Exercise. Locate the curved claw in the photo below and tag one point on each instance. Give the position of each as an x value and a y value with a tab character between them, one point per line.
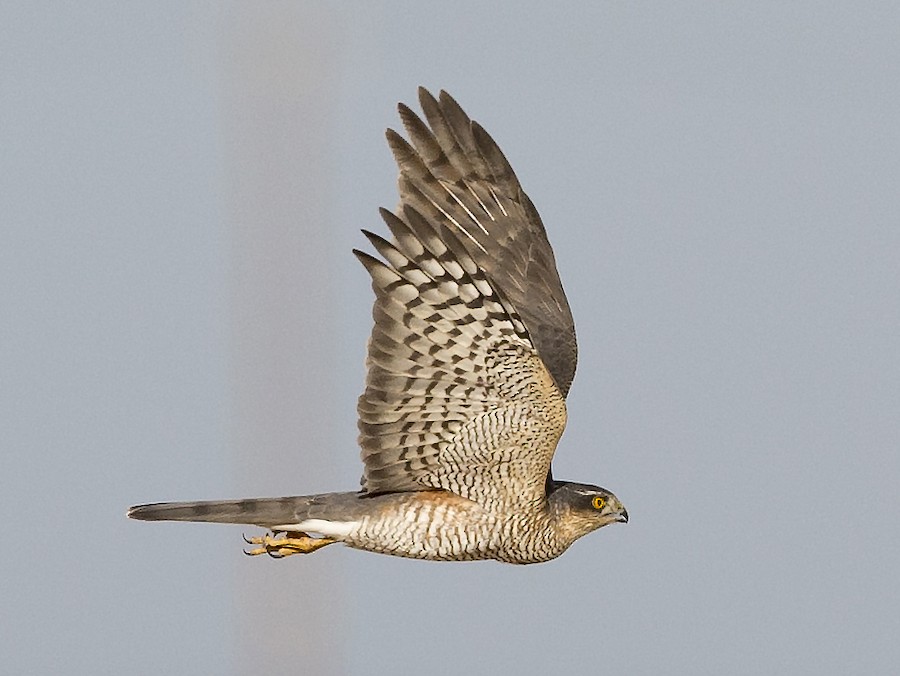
262	545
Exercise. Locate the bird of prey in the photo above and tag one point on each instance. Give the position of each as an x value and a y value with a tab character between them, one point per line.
468	367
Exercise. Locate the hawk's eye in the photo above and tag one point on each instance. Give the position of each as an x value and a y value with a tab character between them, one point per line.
599	503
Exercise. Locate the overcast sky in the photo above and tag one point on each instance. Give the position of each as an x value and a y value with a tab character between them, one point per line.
180	188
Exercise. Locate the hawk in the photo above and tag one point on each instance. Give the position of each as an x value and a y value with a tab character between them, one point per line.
468	367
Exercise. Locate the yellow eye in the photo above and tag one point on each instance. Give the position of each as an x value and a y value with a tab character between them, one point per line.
599	503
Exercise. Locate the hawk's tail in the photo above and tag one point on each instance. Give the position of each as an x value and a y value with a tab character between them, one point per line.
264	512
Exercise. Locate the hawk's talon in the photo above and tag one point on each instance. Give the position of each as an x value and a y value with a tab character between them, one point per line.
280	547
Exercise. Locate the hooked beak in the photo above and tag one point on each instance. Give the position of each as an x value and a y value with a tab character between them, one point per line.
623	516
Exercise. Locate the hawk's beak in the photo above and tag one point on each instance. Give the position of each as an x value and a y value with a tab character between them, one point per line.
623	516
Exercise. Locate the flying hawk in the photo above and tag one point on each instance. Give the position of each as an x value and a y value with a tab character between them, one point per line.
469	363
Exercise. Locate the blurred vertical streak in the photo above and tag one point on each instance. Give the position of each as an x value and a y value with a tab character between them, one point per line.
278	83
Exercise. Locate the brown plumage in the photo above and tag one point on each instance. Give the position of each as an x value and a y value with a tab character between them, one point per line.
471	357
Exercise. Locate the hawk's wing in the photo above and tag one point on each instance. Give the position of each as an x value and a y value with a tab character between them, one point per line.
473	348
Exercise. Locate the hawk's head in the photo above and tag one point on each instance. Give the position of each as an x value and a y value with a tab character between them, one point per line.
582	508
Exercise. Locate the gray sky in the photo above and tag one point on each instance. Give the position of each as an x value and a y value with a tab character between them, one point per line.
180	185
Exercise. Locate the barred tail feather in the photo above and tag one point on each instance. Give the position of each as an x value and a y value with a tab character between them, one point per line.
264	512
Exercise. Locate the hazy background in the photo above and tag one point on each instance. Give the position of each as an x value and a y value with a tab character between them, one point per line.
180	186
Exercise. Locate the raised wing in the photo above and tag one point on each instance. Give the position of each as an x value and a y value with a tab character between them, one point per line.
459	394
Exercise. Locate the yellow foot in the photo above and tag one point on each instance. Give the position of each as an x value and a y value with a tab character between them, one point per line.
289	543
